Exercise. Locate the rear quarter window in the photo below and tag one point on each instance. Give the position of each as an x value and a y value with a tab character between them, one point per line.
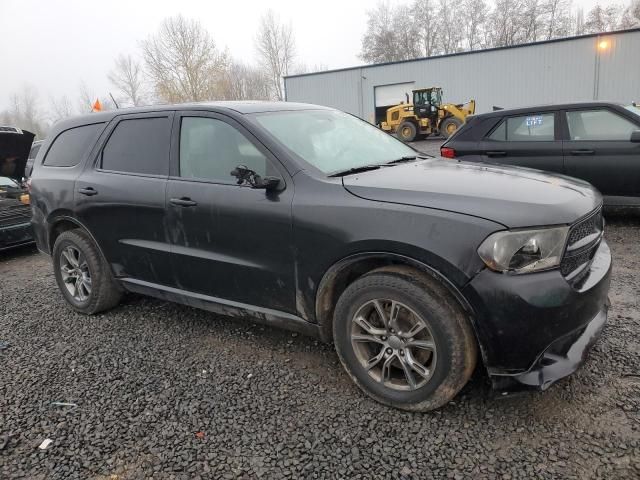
71	146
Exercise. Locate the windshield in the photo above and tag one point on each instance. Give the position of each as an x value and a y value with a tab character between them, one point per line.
333	141
633	109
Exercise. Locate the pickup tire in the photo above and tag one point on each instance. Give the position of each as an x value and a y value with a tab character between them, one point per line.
432	340
83	275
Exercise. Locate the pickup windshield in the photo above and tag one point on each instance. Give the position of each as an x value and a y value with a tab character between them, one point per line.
333	141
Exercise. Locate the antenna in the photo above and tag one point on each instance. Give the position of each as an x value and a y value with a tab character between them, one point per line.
114	101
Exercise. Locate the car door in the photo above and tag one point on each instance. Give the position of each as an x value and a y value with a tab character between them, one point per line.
229	241
598	149
120	196
527	140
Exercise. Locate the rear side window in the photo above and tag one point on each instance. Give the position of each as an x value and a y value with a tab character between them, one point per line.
599	125
139	145
528	128
70	147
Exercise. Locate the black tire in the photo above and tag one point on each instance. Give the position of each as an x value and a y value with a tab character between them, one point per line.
105	292
407	131
449	126
449	326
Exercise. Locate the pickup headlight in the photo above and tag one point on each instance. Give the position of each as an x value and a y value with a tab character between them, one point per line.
521	251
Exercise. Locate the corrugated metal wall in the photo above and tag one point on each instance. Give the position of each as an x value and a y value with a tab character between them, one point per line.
554	72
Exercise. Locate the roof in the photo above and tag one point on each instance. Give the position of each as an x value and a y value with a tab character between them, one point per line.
470	52
542	108
241	107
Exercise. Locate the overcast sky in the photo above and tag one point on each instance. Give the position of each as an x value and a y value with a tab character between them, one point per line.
56	44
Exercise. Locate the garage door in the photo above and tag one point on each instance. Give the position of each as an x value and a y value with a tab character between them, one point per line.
387	95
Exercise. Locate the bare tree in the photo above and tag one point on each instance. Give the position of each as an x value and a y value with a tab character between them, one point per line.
473	15
631	16
276	48
451	37
60	108
244	82
127	78
183	61
531	20
24	112
506	21
427	26
600	19
579	22
557	18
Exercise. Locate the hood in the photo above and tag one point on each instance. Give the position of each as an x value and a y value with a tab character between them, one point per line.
513	196
14	151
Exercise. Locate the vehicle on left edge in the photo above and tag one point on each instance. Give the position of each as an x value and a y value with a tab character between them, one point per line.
15	211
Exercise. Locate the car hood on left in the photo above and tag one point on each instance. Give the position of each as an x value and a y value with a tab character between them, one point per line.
513	196
14	151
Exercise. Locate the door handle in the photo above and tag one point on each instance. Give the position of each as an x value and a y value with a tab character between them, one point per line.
582	152
88	191
183	202
496	154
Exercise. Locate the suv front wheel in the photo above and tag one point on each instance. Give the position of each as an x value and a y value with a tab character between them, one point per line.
83	276
404	339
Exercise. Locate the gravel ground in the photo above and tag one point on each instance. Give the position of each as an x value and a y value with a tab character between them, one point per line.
166	391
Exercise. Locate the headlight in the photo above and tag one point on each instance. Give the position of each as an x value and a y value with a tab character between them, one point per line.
522	251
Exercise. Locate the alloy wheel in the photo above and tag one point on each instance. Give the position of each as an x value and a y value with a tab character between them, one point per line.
393	344
75	273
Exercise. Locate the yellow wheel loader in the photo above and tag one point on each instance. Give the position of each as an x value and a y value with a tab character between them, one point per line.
427	115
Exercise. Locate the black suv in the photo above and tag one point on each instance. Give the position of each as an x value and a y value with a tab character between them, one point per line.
597	142
308	218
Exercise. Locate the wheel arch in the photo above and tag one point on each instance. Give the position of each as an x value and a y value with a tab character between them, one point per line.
64	222
343	272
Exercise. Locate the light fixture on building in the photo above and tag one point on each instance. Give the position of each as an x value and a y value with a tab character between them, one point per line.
603	44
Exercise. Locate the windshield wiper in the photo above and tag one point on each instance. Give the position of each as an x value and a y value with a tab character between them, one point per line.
349	171
407	158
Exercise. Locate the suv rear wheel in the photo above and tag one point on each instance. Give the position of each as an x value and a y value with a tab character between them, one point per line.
403	339
83	276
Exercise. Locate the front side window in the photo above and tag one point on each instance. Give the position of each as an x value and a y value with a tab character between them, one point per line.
332	141
70	147
599	125
528	128
210	149
139	145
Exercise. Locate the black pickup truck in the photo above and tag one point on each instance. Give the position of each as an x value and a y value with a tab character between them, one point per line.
15	211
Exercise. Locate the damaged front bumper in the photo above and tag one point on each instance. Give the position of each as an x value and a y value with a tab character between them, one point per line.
559	360
535	329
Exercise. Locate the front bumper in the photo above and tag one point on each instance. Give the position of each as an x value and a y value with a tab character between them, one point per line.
535	329
15	235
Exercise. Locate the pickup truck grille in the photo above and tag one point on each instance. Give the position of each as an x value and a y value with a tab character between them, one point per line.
13	212
584	240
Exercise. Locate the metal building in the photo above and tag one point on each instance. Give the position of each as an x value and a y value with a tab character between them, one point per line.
589	67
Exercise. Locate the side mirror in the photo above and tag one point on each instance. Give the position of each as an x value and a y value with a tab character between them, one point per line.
245	175
635	136
270	184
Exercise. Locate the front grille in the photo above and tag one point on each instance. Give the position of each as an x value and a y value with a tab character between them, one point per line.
584	240
12	212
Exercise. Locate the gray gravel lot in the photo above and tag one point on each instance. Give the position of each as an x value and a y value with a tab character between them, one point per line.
149	375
